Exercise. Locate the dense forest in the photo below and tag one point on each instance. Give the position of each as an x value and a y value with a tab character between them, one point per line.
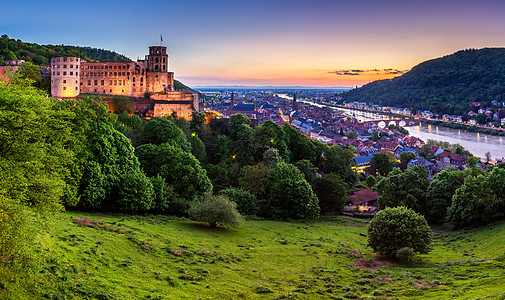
452	82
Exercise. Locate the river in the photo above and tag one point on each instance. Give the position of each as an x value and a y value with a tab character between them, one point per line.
477	143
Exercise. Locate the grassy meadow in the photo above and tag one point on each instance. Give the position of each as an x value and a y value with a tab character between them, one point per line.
91	256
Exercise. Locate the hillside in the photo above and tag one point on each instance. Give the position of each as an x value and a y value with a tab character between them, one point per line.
96	256
451	81
41	54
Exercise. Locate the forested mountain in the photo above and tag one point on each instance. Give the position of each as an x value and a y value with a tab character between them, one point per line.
41	54
452	81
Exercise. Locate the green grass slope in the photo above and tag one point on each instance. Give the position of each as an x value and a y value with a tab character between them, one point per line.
88	256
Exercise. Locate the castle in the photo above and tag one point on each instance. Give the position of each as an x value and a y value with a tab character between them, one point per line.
148	79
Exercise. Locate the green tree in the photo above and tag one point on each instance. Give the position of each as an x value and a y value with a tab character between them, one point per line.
405	158
216	210
331	192
136	193
253	179
197	121
289	194
300	146
339	160
439	194
247	204
472	161
271	158
382	164
180	169
481	119
308	170
404	189
163	195
198	149
396	228
28	71
371	181
164	130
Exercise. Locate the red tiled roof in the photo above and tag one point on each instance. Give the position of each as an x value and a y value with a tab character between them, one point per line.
362	196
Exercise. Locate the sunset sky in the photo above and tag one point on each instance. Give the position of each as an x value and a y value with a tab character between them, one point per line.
325	43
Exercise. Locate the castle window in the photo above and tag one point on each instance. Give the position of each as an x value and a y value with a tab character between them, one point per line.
115	82
89	82
119	82
115	67
57	73
110	91
64	66
122	91
64	73
77	67
76	81
64	59
96	83
102	82
134	90
156	60
110	83
133	78
124	82
156	67
110	73
141	79
76	59
164	67
76	88
115	73
128	67
95	90
106	67
64	88
71	66
71	59
163	60
53	72
64	81
124	74
71	73
104	91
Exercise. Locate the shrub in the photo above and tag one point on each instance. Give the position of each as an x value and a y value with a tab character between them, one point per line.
246	202
395	228
216	210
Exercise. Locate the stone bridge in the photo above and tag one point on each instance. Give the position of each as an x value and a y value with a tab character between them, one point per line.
386	123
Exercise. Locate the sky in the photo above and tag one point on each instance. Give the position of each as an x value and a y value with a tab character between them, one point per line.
320	43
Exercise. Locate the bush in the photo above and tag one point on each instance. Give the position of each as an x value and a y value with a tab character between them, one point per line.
216	210
246	202
395	228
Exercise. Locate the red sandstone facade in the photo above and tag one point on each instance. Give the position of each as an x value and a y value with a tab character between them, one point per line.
71	76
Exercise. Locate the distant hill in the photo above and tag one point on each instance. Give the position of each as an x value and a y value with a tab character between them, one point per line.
447	84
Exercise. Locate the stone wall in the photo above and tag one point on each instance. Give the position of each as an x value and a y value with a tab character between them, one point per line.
65	77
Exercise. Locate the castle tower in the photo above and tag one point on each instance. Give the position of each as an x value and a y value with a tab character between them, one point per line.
157	60
65	79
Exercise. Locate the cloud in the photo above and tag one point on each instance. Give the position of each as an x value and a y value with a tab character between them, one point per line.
356	72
